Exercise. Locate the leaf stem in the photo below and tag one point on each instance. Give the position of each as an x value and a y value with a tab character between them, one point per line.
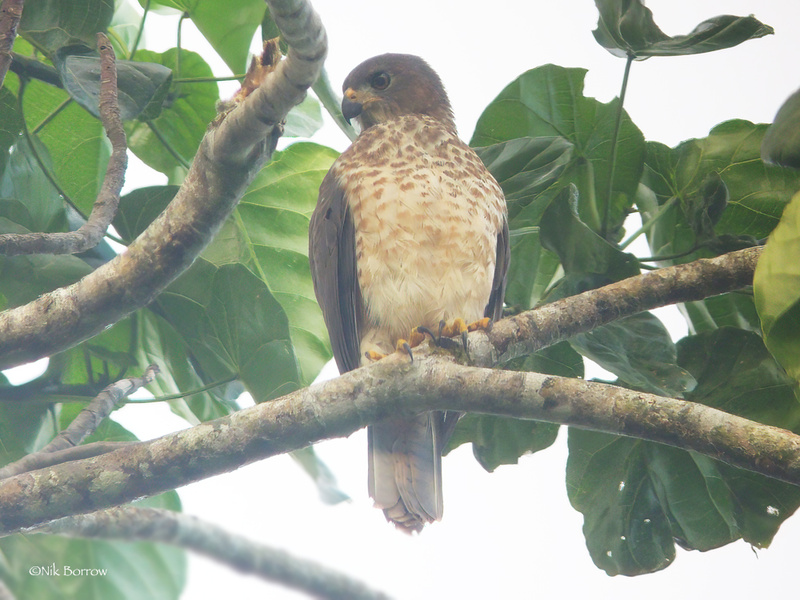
166	144
649	225
614	137
330	100
39	161
135	47
181	395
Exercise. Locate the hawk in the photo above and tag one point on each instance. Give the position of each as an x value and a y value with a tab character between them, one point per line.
410	229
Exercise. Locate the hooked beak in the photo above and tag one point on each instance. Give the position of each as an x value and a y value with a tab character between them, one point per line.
350	108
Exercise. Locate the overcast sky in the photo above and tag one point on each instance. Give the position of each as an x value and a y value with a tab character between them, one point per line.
511	534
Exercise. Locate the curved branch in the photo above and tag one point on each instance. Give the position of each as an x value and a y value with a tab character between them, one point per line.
390	387
239	553
230	155
90	233
536	329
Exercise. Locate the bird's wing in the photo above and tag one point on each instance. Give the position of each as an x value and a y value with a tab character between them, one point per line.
494	308
332	256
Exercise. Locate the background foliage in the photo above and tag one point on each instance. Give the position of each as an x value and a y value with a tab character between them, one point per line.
244	318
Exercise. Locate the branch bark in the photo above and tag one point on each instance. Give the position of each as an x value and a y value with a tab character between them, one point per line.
391	387
239	553
10	14
230	155
105	207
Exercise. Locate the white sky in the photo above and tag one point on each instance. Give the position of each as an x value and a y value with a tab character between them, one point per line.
511	534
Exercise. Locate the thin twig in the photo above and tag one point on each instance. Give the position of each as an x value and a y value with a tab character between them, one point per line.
10	14
105	207
238	552
83	425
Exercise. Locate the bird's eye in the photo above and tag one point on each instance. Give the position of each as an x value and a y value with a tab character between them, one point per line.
380	81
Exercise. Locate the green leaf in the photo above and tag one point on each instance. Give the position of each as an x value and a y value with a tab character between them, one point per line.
272	224
757	193
737	374
161	344
10	125
735	309
500	440
528	170
233	326
142	87
588	260
636	496
776	285
640	352
51	24
626	28
548	102
140	207
31	201
228	26
304	120
322	476
781	145
168	142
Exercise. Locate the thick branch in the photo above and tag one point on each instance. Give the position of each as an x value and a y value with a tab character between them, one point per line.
90	233
155	525
391	387
230	155
10	14
536	329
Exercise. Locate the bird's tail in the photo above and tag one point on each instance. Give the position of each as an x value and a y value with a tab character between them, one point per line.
405	469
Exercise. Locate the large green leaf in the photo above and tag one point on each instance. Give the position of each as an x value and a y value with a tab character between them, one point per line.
626	28
588	260
228	26
529	171
160	343
141	87
272	220
636	496
548	102
51	24
777	290
756	193
10	124
639	351
233	326
169	142
781	145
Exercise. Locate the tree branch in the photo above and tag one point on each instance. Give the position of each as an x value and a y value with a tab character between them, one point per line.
63	446
391	387
551	323
232	152
90	233
10	14
164	526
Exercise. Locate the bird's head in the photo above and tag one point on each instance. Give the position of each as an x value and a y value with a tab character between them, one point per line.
389	86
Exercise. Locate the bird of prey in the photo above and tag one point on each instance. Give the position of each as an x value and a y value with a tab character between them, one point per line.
410	229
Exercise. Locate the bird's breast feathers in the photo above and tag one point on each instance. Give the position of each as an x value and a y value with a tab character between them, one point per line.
426	214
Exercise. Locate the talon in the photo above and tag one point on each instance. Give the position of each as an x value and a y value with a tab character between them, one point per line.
403	346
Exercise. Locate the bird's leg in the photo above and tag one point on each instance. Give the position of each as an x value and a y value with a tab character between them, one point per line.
460	328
